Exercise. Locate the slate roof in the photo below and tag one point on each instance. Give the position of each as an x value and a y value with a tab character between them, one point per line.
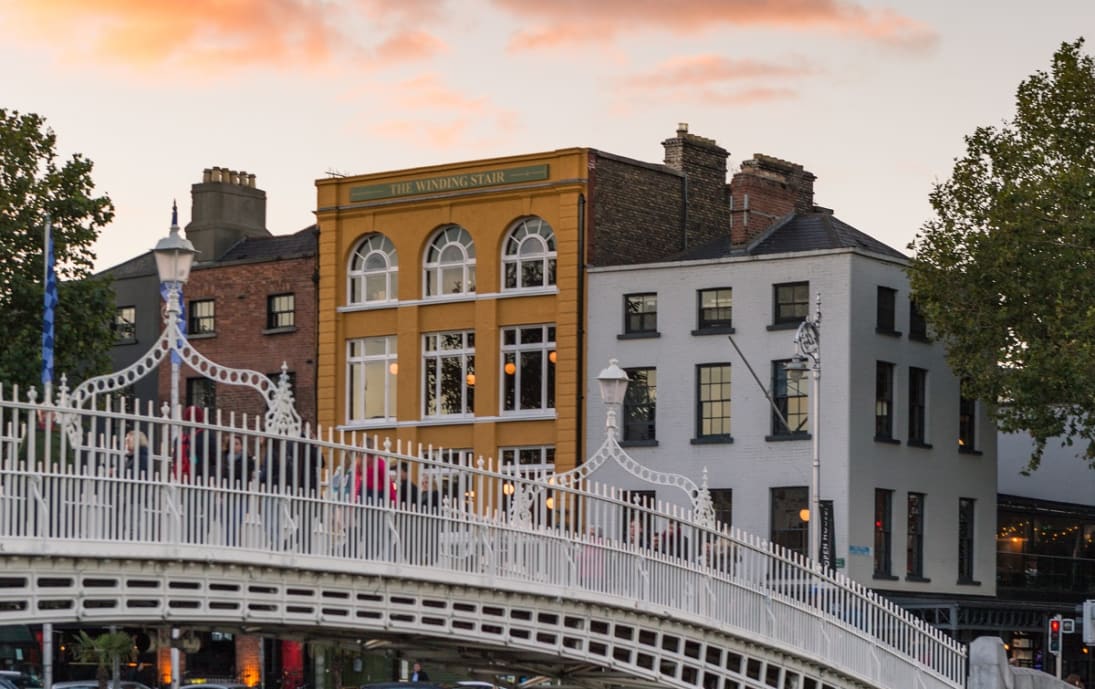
297	245
253	249
813	231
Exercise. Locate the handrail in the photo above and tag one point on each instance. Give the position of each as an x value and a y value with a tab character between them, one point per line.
299	497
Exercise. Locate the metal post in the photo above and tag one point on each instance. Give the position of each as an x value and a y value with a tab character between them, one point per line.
815	477
175	670
47	655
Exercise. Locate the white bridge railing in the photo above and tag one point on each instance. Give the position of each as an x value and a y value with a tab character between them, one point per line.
340	500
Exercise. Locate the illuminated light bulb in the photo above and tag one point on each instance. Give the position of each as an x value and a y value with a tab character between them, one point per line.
804	514
510	368
552	356
393	368
471	379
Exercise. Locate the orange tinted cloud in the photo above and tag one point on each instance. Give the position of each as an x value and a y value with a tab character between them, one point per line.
695	70
409	45
223	35
604	19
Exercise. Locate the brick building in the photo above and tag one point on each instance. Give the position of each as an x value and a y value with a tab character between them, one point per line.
452	297
250	301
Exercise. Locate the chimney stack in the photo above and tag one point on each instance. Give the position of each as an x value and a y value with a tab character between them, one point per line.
703	164
765	190
225	208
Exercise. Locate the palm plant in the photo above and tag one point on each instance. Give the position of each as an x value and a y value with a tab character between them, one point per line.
103	650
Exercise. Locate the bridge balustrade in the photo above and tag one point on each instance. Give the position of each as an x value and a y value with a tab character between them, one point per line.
337	502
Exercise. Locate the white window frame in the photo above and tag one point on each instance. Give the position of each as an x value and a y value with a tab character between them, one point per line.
358	272
390	367
511	354
508	457
447	240
530	232
465	355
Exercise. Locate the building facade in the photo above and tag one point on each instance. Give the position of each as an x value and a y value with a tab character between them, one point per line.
452	299
250	301
908	467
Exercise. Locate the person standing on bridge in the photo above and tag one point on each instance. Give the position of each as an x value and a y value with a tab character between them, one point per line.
418	674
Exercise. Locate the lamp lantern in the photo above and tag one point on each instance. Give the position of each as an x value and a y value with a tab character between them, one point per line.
613	382
174	254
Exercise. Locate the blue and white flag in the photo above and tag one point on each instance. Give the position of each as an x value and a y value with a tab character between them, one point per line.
49	310
165	290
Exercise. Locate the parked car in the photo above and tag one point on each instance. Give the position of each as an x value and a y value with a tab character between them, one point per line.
94	684
20	680
217	685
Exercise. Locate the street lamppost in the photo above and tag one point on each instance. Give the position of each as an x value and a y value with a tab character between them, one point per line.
174	257
808	358
613	381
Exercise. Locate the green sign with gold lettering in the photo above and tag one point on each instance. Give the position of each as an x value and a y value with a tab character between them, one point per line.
467	180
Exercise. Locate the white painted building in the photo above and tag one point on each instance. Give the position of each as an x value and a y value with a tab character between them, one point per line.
914	512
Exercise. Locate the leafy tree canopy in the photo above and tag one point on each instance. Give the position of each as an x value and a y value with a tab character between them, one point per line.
1005	272
32	185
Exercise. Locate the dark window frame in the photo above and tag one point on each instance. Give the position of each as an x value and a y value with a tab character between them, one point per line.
640	407
199	323
722	500
208	397
702	404
642	321
966	554
967	424
914	537
883	533
781	397
918	407
125	330
706	323
275	316
918	326
788	298
886	311
883	401
794	535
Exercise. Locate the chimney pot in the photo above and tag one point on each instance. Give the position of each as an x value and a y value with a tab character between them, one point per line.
207	175
217	172
251	180
682	128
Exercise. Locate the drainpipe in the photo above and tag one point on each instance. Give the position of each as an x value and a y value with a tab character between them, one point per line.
684	211
580	453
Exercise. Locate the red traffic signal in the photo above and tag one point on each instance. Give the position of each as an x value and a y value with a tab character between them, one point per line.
1055	635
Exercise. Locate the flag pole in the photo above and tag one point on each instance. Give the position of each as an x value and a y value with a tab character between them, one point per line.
49	306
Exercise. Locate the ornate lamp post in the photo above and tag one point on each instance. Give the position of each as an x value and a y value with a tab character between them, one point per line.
808	358
613	381
174	258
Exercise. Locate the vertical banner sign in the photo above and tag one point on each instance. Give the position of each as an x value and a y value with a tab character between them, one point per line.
165	290
828	534
49	309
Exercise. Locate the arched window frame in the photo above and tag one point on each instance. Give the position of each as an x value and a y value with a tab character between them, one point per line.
453	240
516	266
359	276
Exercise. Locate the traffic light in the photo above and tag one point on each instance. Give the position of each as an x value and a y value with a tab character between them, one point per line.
1055	635
1089	622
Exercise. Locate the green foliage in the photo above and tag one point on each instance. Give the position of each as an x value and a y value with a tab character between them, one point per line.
32	185
1003	273
103	650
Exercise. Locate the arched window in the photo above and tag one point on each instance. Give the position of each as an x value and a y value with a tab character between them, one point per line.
374	271
528	257
450	263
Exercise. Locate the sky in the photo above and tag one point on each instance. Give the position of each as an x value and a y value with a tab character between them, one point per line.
873	97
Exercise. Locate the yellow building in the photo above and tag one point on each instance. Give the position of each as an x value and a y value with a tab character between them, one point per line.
451	315
451	298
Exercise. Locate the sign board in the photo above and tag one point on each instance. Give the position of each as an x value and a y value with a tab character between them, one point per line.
828	534
466	180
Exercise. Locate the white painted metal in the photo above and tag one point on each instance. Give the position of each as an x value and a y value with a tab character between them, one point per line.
85	539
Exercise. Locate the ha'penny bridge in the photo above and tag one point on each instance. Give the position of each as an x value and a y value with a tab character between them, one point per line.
551	575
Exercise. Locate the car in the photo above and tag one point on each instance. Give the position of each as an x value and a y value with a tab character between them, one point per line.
94	684
401	685
20	680
216	685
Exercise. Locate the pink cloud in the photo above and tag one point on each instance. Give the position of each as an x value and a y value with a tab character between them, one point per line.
605	19
195	33
694	70
409	45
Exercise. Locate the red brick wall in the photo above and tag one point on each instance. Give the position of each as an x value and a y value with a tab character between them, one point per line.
774	188
239	292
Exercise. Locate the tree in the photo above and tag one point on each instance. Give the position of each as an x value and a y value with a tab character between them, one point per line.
32	185
1003	272
104	650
